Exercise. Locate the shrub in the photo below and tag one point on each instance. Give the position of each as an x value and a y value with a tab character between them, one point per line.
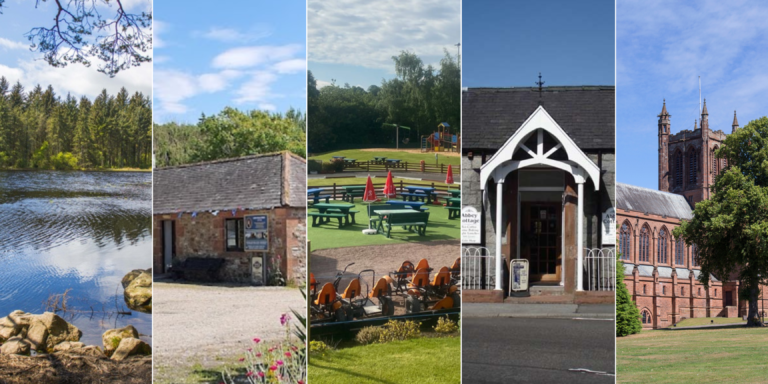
316	346
369	335
338	164
400	330
446	325
627	314
314	166
64	161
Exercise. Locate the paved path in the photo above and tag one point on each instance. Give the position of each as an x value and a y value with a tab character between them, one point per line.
516	350
563	311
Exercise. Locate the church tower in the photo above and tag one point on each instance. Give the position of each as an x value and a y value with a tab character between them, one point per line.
735	124
664	128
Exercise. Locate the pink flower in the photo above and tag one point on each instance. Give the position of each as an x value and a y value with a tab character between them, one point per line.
258	354
273	368
271	349
242	359
250	349
284	318
249	374
256	340
287	354
261	374
279	362
300	382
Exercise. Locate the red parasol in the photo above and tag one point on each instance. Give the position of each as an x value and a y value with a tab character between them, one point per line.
369	196
389	187
449	175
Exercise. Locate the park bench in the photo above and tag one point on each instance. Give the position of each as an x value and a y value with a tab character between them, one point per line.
326	217
413	196
205	266
405	220
453	212
352	213
316	199
350	196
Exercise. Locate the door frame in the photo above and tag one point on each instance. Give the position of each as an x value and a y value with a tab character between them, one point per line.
562	221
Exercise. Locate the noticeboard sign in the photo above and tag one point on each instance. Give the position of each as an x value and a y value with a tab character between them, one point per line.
256	233
470	225
609	227
519	276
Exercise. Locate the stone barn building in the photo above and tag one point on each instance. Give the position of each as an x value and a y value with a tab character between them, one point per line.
538	167
248	211
662	272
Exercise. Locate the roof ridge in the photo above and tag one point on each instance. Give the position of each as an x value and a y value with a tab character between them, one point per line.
649	189
550	88
219	161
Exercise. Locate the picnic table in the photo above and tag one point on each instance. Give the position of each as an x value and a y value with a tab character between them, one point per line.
405	218
393	162
379	159
381	213
455	192
418	193
412	204
454	207
352	191
327	211
315	193
338	157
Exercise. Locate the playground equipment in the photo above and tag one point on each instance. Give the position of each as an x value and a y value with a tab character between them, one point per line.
441	140
397	133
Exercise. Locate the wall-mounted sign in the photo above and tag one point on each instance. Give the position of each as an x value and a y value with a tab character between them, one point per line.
609	227
519	277
257	269
256	233
470	225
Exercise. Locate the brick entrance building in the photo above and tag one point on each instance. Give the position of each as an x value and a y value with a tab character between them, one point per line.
201	210
662	272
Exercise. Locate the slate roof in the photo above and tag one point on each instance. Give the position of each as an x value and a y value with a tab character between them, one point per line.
646	200
491	115
250	182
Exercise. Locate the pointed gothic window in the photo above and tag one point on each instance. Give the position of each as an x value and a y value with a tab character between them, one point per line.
694	255
624	236
661	256
680	251
692	167
644	241
678	169
714	162
646	316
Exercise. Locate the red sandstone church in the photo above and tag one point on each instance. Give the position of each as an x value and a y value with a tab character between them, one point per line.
661	271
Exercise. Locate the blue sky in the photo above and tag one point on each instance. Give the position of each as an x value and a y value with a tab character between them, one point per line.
353	41
246	54
663	47
507	43
17	63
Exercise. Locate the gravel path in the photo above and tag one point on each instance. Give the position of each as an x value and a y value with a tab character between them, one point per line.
207	325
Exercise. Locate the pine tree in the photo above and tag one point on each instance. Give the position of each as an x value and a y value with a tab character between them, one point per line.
627	314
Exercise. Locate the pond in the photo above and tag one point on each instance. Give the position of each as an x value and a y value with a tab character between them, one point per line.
77	233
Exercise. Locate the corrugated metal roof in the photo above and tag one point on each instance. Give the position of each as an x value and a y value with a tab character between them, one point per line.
646	200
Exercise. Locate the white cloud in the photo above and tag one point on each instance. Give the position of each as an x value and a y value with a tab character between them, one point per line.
161	59
10	44
11	74
158	27
322	83
268	107
248	57
370	33
231	35
291	66
257	88
172	87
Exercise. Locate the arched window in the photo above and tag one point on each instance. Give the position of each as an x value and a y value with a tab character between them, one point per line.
624	241
694	255
646	316
693	165
678	169
661	256
714	162
644	244
680	251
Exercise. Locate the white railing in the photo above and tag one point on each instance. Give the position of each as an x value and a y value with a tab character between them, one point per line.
600	269
478	269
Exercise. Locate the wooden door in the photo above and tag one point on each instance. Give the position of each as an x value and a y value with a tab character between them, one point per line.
540	240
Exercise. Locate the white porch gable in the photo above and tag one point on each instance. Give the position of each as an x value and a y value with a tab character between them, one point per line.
578	164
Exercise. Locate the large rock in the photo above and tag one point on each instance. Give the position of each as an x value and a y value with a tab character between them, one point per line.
15	346
68	346
112	338
14	324
138	292
131	346
48	329
130	276
78	348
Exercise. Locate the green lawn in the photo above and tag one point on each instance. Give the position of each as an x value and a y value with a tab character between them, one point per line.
376	181
428	157
709	320
693	356
331	236
422	360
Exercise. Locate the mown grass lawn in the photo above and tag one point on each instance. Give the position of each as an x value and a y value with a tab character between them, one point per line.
415	158
329	235
422	360
738	355
708	321
378	182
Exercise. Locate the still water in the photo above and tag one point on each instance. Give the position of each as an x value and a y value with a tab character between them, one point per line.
76	231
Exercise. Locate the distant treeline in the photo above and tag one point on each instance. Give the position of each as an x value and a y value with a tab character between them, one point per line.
419	98
40	129
231	133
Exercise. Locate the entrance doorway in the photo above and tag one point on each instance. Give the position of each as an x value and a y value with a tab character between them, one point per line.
540	240
169	244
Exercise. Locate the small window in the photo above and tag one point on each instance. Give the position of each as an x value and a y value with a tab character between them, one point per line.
682	291
644	291
699	292
235	235
646	316
663	289
715	292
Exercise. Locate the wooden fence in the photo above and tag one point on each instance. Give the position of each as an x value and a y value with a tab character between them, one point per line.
336	191
383	166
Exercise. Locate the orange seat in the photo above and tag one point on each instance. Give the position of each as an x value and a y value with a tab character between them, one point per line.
353	289
380	289
327	295
442	278
312	281
423	264
445	303
420	279
405	270
456	266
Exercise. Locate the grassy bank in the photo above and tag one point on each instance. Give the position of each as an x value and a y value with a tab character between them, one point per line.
693	356
405	155
709	321
422	360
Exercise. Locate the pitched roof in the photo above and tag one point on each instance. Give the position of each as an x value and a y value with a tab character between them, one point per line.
646	200
491	115
251	182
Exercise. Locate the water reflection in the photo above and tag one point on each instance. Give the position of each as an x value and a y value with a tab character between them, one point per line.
74	230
